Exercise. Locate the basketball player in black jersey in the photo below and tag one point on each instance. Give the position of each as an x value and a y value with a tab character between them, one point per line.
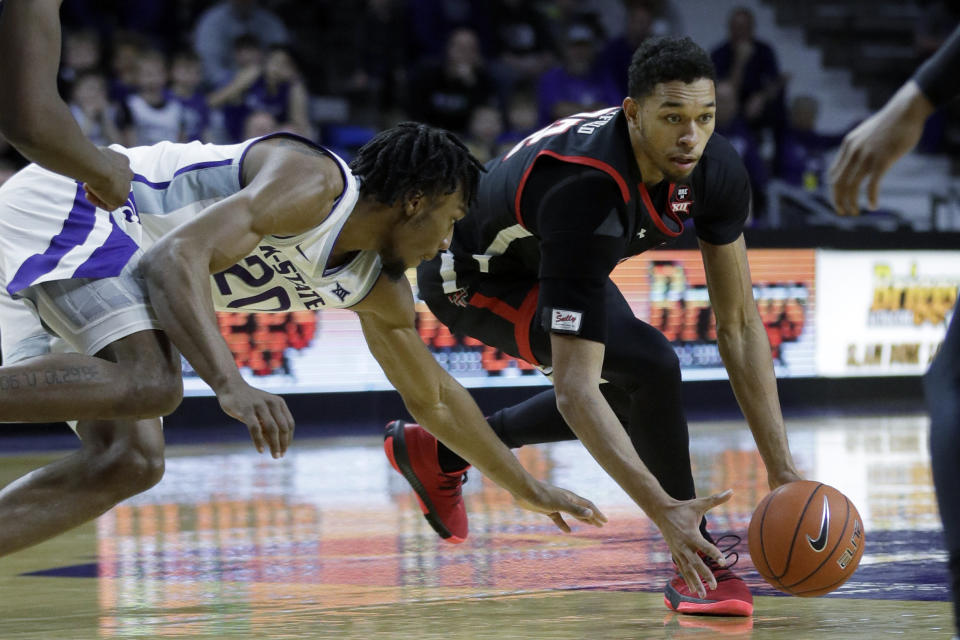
528	271
33	116
866	153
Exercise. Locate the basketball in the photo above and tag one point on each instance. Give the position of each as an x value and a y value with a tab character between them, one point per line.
806	538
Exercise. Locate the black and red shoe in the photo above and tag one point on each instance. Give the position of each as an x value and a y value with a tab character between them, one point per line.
732	597
412	451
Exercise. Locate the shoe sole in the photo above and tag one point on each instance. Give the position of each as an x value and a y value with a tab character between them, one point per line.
395	446
682	604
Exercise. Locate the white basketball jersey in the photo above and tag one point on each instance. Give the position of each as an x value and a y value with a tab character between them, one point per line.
48	231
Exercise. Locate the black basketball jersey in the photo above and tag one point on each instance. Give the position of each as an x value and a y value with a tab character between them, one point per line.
498	237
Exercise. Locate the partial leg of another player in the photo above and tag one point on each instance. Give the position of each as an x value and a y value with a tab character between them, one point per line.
117	459
942	388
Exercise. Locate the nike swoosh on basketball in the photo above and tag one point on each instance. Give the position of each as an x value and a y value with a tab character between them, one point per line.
820	543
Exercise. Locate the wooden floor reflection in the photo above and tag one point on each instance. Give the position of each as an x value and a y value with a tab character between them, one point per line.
327	544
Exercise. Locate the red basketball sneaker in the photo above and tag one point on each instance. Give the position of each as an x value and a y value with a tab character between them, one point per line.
730	598
412	451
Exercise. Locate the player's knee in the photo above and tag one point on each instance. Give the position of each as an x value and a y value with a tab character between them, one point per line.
128	468
652	358
161	396
155	390
154	383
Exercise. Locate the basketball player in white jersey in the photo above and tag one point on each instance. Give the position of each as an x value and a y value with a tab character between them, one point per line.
285	225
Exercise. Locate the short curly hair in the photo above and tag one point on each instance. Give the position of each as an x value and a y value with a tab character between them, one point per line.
666	60
415	157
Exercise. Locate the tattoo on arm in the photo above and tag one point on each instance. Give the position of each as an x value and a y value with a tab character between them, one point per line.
55	376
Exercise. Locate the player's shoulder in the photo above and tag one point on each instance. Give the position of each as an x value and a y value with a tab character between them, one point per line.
297	159
389	303
720	150
720	162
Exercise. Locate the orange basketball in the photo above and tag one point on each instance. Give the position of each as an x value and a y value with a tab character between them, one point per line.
806	538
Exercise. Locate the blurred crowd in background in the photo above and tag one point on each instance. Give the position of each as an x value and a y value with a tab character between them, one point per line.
136	72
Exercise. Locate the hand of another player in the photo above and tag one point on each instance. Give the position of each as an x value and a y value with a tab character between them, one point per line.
266	416
873	146
112	190
555	501
680	526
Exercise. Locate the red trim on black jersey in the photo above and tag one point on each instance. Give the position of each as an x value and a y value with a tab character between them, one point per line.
519	318
655	215
584	160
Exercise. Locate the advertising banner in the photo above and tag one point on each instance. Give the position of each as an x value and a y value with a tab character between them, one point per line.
310	352
883	313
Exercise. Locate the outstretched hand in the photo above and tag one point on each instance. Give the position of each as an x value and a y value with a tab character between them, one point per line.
555	501
680	526
266	416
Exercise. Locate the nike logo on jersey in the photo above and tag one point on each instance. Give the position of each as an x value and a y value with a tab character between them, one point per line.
820	543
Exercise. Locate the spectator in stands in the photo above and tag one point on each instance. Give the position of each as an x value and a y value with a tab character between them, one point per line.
444	94
151	114
803	150
731	125
81	54
522	43
125	65
382	46
219	27
562	14
618	52
579	84
91	108
280	91
667	20
186	75
751	66
433	23
522	115
229	100
260	123
485	132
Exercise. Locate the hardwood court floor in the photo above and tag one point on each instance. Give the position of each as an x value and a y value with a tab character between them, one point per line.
327	543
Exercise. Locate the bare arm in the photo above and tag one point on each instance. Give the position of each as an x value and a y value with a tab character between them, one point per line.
445	409
234	90
576	368
286	190
745	350
868	152
35	119
299	109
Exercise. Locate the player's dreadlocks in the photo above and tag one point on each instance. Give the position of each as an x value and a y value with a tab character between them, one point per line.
665	60
415	157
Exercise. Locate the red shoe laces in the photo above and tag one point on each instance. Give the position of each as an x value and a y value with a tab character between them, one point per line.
451	484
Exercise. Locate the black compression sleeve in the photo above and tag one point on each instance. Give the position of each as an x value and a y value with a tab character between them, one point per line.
581	222
939	76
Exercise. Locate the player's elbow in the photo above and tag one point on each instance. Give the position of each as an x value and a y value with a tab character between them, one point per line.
428	404
22	128
573	399
164	262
